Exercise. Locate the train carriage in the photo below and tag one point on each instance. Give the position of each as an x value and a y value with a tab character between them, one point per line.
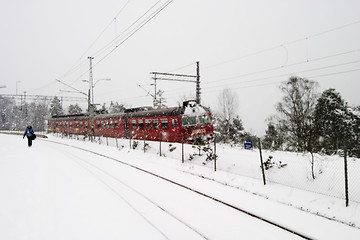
176	124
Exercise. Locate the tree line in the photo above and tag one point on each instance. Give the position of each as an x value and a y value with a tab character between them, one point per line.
305	121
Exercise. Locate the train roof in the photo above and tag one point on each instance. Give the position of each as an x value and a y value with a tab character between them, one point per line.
173	111
188	108
73	116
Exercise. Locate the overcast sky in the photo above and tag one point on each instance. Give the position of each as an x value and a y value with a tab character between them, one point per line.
247	46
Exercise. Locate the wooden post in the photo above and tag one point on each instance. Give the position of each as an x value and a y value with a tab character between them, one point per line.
144	141
182	147
160	138
215	153
130	140
262	163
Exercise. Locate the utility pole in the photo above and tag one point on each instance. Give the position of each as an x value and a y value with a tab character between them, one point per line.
198	89
91	104
91	81
155	86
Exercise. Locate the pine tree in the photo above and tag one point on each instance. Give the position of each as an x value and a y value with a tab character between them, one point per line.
272	139
232	133
331	117
116	107
56	107
74	109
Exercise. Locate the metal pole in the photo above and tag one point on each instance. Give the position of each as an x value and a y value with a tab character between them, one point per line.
155	86
198	93
91	80
346	178
90	95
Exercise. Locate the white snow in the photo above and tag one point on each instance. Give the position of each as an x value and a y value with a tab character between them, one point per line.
52	191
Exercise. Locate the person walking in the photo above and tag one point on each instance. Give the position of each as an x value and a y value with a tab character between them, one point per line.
30	134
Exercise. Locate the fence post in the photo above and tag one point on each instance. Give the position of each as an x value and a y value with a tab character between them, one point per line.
215	153
144	141
346	177
160	135
130	140
262	163
182	147
117	145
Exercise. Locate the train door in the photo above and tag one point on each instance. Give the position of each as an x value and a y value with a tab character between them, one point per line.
126	128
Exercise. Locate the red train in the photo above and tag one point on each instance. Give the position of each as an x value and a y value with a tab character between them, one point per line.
176	124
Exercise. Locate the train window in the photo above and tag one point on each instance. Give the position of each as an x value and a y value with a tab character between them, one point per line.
188	121
204	119
141	124
164	123
174	123
116	124
148	124
76	125
156	124
133	124
98	124
81	124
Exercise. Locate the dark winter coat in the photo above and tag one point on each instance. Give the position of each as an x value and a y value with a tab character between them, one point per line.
29	132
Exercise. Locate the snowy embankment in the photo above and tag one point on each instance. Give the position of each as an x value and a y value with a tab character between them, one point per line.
264	200
291	185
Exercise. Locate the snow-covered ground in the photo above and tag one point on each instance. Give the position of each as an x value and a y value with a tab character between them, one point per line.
52	191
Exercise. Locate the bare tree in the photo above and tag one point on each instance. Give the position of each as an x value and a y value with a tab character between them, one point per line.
227	105
296	112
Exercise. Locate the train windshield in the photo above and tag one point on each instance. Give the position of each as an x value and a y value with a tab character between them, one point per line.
188	121
204	119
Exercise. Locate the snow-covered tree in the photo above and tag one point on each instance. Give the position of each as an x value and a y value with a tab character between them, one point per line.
296	112
336	124
102	110
273	139
160	101
74	109
37	114
56	107
227	104
116	108
6	113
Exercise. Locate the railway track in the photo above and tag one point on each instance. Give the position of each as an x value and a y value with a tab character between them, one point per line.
97	171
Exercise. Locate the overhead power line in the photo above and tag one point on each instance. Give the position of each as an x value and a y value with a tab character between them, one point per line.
217	81
43	97
79	65
113	45
136	29
283	45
